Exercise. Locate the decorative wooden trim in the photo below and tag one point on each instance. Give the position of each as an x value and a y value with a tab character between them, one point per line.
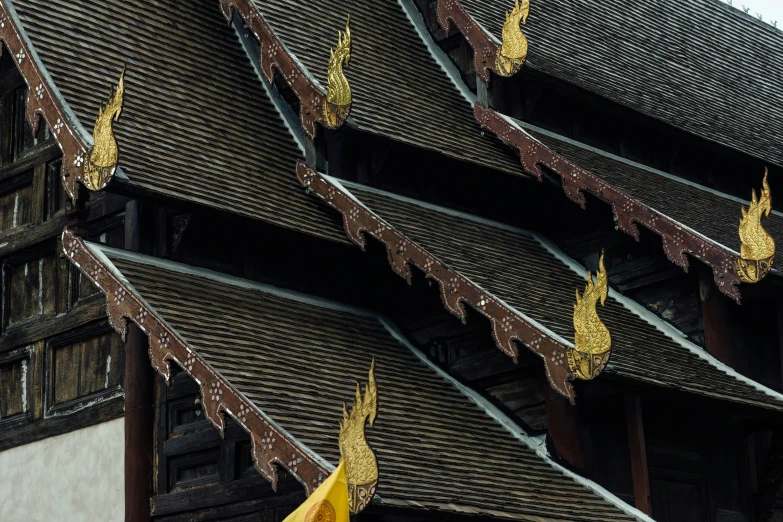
485	45
275	55
44	101
508	324
270	444
629	212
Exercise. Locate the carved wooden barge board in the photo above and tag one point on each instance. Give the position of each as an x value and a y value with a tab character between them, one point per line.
45	101
678	239
274	55
485	45
270	444
508	324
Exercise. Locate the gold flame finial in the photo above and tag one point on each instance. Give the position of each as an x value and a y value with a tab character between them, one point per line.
337	105
361	467
592	341
757	252
104	155
513	50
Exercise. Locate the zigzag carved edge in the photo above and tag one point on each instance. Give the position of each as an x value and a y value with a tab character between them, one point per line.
42	104
678	240
274	55
269	445
508	325
484	44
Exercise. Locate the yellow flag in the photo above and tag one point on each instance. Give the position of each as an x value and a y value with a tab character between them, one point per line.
328	503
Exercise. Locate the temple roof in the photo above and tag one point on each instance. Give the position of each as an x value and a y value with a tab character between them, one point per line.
399	90
294	360
710	213
196	123
701	65
531	277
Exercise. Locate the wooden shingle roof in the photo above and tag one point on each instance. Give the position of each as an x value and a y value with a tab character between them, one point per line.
698	65
293	360
196	123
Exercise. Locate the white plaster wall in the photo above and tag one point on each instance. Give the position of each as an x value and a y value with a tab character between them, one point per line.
74	477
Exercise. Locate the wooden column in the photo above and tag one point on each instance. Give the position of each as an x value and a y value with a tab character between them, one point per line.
139	402
638	451
563	429
716	322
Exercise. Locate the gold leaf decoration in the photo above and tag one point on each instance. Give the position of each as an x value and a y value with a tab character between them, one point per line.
104	155
757	252
361	467
593	343
513	51
337	105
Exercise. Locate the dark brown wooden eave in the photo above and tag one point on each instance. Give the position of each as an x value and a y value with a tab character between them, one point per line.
44	101
271	446
629	212
485	45
508	325
275	55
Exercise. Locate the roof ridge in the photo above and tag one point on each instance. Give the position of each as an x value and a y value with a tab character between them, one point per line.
512	427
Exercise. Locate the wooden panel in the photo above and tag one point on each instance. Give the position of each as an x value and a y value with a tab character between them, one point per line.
13	387
678	497
194	469
30	289
84	367
16	208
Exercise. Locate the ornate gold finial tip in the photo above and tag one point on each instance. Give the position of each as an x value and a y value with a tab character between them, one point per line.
337	105
361	466
757	251
512	52
102	160
592	340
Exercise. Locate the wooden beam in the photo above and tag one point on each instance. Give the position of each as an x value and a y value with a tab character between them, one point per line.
716	319
139	402
563	429
638	451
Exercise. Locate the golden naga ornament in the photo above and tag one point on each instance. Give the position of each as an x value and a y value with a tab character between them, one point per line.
593	343
337	105
104	155
361	467
513	50
757	252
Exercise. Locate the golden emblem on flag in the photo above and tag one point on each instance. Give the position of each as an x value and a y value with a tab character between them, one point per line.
104	155
592	341
352	484
757	252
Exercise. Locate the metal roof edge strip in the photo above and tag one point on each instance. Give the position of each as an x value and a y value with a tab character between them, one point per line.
513	428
